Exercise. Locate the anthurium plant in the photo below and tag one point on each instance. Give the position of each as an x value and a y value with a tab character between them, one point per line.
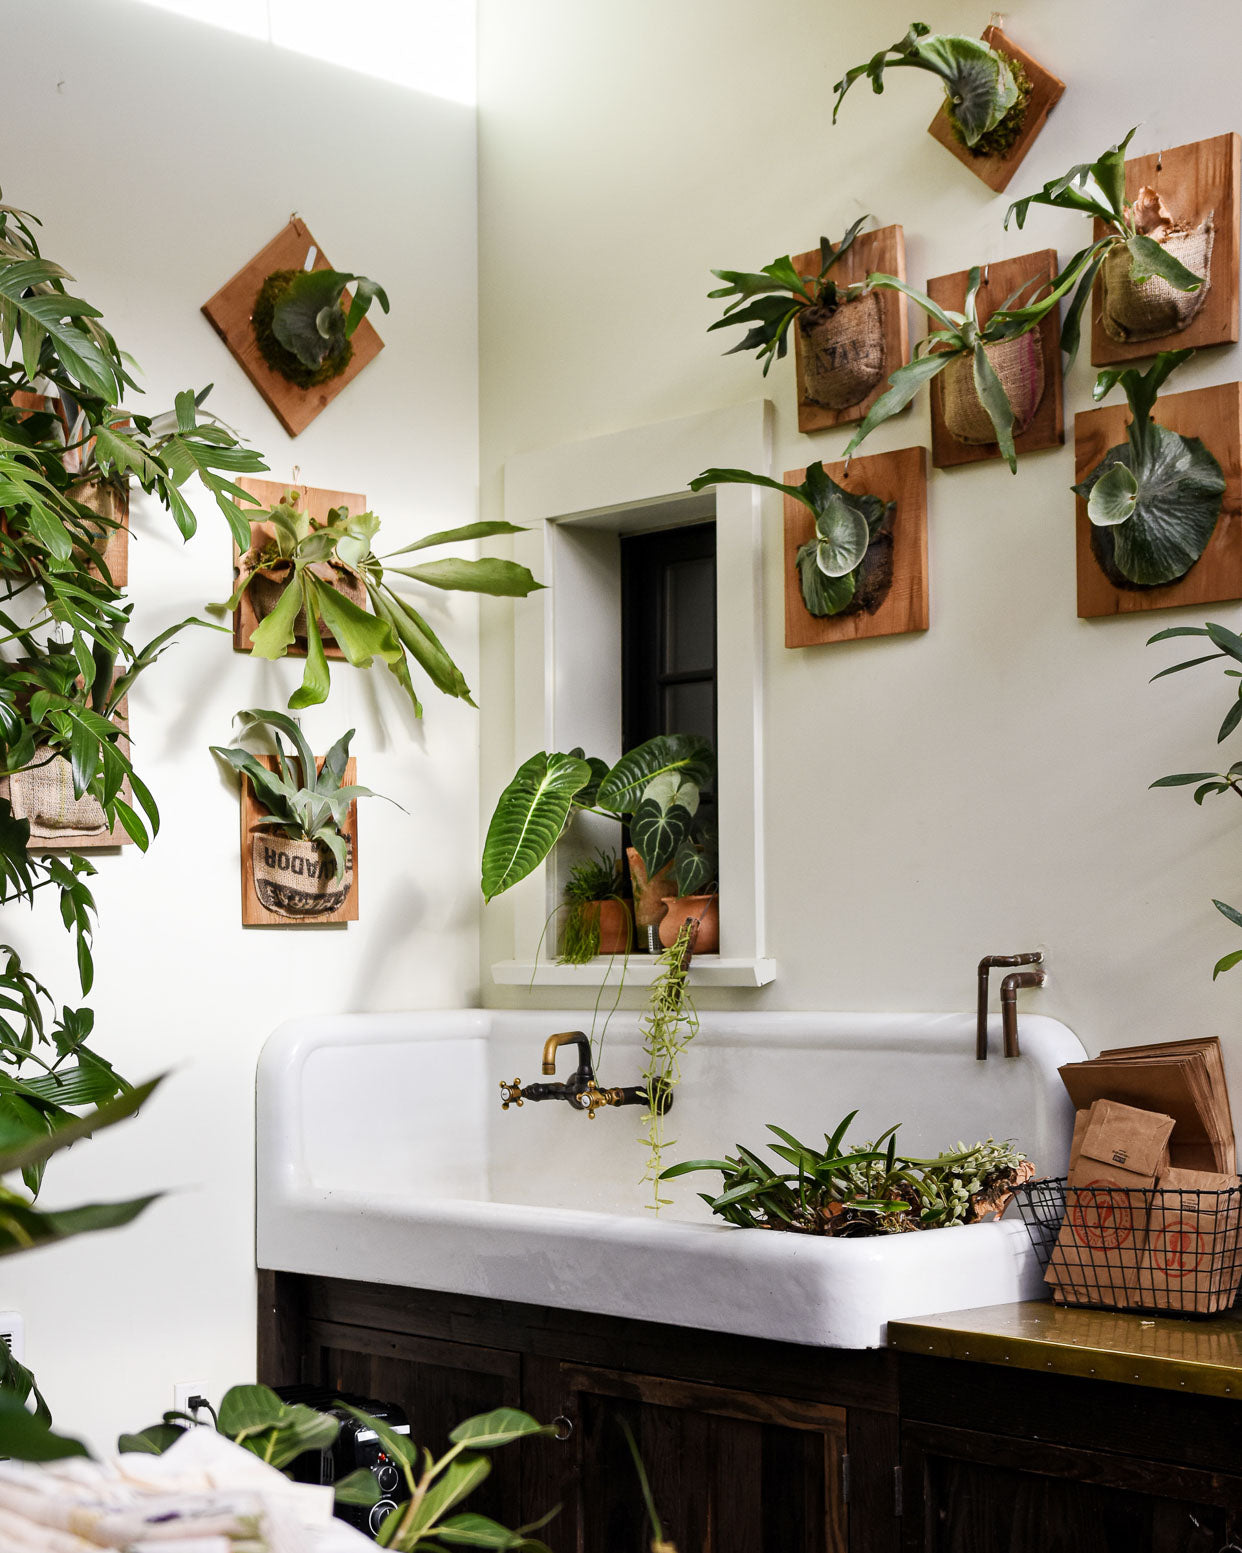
770	299
388	627
303	322
1098	189
986	92
655	787
832	565
1154	500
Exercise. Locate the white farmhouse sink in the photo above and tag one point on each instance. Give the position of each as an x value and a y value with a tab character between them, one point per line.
383	1156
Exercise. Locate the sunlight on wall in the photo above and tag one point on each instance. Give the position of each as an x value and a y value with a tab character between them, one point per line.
428	45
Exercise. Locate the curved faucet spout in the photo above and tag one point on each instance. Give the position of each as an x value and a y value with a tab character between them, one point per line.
576	1038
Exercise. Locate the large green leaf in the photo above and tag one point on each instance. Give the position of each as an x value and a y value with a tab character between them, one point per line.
687	754
1114	496
27	1438
361	636
1152	259
661	822
502	579
33	1151
903	384
504	1425
823	595
843	535
530	815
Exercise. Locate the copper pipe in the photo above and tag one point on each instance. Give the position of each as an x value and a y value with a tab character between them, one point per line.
985	966
1009	1005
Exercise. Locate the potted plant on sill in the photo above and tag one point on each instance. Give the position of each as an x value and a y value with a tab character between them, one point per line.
842	327
300	852
986	92
1155	499
303	322
655	788
696	865
329	581
598	917
1154	272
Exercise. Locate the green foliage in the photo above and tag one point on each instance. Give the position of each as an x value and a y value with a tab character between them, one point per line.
1154	500
846	522
389	628
1098	189
655	786
302	803
769	300
697	862
303	326
591	881
980	87
668	1025
857	1189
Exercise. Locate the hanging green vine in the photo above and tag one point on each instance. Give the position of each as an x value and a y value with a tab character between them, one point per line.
669	1025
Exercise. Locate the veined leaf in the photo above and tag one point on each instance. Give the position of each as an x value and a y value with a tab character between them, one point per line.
530	815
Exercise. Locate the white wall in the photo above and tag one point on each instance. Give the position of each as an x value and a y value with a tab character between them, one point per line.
929	798
161	154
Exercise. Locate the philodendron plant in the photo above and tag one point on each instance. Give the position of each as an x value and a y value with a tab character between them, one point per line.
1149	291
655	787
1153	500
316	562
985	91
847	566
841	326
302	325
994	371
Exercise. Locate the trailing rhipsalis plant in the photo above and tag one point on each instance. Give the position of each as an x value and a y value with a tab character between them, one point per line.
668	1025
831	566
771	299
986	92
1154	500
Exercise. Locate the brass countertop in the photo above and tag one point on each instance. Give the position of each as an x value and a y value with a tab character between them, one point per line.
1202	1356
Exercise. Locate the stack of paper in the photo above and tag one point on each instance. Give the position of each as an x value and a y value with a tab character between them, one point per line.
1182	1079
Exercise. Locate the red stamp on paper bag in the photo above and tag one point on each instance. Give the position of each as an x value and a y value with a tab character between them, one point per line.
1177	1249
1101	1215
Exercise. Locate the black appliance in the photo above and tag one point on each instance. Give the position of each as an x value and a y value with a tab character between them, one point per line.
356	1446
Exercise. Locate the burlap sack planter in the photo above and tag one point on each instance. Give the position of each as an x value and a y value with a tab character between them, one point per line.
298	879
1149	310
1019	364
42	794
842	351
270	582
111	502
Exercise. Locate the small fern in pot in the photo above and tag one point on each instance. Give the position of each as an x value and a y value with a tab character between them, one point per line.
597	919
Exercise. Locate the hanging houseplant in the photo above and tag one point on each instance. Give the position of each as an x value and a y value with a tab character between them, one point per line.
848	565
986	92
303	322
842	327
1154	271
1153	500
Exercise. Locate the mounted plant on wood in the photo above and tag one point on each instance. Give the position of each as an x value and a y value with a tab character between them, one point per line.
1154	500
1154	276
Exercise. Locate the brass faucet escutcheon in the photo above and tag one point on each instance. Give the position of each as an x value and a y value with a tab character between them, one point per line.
593	1099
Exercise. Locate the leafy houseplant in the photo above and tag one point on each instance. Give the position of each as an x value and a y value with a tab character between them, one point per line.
986	92
1154	500
695	874
1155	272
329	582
857	1190
598	918
303	325
842	327
848	565
667	1027
301	853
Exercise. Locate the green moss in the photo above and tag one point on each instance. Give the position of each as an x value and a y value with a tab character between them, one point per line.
999	141
274	353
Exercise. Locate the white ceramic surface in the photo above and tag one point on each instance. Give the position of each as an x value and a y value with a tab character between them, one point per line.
383	1156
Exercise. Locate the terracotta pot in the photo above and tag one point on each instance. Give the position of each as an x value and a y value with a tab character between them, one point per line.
270	582
616	931
649	894
681	907
298	878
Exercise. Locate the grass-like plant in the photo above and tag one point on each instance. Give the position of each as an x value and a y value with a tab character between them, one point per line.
831	566
591	881
985	91
1154	500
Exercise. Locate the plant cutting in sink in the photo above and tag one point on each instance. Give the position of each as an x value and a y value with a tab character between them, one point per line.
986	92
1154	500
1155	274
841	326
303	326
858	1190
848	565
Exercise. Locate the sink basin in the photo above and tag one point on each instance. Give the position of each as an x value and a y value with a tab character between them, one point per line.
384	1156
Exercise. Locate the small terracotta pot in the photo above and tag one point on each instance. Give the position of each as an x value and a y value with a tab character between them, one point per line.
649	894
682	907
616	932
298	878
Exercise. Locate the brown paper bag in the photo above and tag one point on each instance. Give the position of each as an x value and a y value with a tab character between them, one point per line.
1192	1259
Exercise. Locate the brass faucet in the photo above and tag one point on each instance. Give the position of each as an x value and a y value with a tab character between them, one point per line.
581	1089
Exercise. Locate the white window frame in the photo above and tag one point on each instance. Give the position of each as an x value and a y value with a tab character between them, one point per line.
576	500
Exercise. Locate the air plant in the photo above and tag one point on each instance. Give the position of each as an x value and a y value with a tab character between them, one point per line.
832	567
986	92
1154	500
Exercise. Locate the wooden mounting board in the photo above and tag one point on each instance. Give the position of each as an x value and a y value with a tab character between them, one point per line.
114	504
318	503
229	315
1046	90
1003	278
1215	416
118	836
254	912
880	252
899	477
1195	181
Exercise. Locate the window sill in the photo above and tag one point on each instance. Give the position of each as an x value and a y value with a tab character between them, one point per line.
706	970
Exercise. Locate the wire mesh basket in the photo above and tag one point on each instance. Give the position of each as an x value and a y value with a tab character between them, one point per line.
1166	1250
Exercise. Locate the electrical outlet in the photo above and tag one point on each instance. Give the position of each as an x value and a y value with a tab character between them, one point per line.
13	1330
183	1391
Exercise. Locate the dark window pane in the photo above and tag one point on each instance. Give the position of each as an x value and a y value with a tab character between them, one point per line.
690	616
668	633
691	708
